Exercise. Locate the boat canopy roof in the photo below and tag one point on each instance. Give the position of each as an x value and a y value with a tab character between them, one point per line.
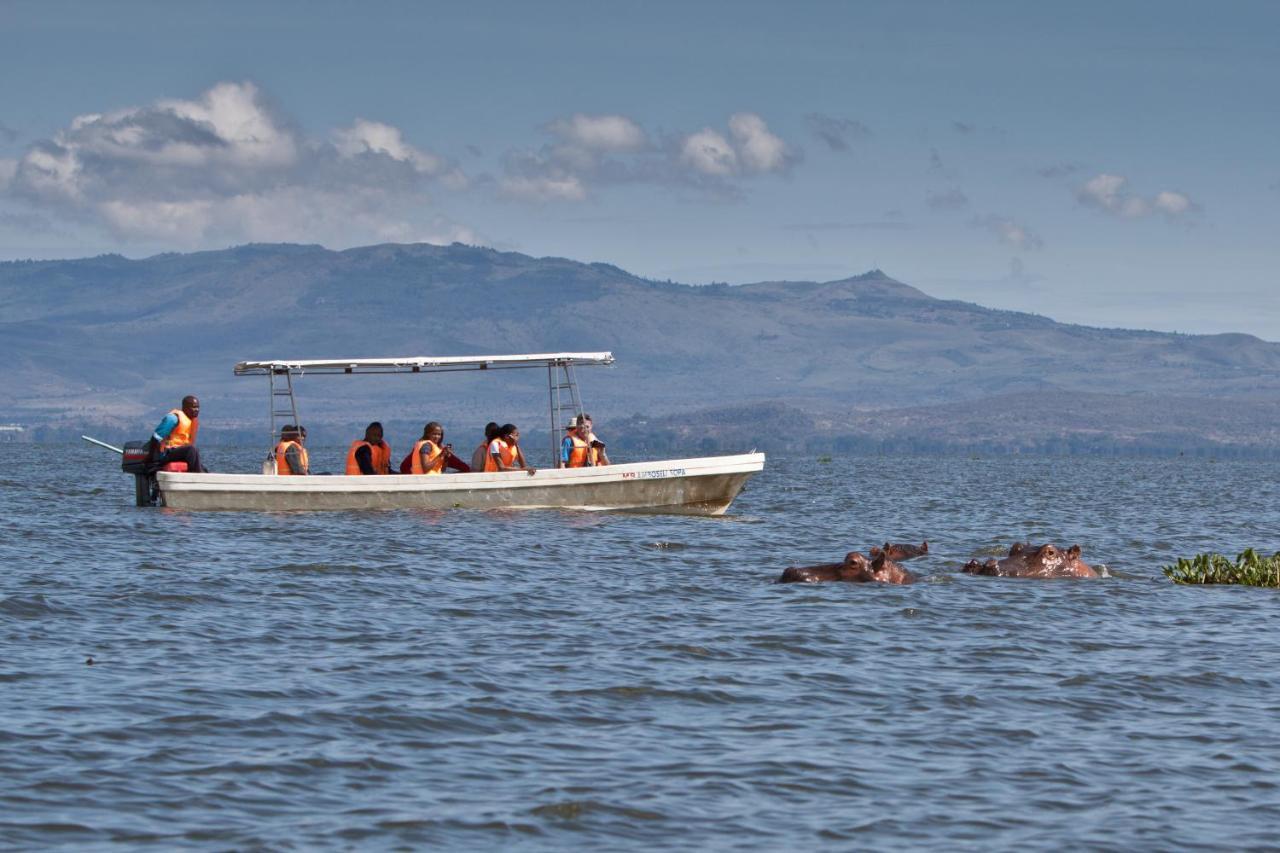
422	363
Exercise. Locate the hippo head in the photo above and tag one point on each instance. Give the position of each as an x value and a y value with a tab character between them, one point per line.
1031	561
884	570
855	560
1055	562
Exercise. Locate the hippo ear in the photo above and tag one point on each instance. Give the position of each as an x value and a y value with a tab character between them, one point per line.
875	551
1073	552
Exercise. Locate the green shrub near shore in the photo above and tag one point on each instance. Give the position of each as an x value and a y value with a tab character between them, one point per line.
1249	569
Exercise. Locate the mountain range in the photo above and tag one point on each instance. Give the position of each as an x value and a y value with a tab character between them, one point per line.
109	342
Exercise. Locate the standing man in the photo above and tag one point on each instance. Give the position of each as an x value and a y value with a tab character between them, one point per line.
291	456
598	456
174	438
371	455
575	451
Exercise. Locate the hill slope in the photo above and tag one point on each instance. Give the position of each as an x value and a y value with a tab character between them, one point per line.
110	339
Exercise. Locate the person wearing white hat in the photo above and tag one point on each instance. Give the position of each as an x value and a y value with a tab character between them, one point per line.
575	450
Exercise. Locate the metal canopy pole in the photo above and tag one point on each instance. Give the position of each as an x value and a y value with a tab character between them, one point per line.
557	385
271	412
279	391
552	401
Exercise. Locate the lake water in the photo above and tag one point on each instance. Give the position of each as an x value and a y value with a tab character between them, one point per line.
544	680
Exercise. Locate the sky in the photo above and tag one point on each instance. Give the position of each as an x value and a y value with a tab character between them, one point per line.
1106	163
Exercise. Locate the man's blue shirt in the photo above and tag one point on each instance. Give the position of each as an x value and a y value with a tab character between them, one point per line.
165	427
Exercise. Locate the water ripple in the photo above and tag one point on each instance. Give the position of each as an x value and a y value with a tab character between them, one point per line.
473	680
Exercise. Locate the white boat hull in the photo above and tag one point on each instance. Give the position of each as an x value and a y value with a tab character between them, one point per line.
703	486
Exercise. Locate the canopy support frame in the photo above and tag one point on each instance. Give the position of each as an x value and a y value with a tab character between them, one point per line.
281	388
563	396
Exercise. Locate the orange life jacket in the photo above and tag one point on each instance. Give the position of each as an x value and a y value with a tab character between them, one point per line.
379	455
184	433
506	452
282	462
580	453
435	453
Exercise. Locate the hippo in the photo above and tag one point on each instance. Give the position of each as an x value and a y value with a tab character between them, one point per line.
894	551
1028	561
855	569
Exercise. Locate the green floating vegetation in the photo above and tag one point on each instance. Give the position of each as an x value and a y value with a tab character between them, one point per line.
1248	569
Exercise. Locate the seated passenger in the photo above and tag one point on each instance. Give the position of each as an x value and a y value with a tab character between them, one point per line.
575	452
481	454
371	455
174	438
505	453
430	453
447	460
598	456
291	456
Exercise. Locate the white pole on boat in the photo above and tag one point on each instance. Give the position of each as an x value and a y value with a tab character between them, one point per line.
103	444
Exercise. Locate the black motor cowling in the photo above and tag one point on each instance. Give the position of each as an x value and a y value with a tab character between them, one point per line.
135	458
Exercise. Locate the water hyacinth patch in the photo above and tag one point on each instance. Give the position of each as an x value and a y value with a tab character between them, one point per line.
1248	569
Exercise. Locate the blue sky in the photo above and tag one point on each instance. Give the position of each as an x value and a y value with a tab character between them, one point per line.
1113	164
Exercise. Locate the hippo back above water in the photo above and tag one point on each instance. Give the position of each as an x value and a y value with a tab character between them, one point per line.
856	568
1029	561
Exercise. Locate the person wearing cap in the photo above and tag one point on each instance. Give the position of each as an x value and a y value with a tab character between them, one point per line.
575	451
597	454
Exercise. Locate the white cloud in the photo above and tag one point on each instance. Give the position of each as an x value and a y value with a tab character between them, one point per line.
374	137
1106	191
759	150
223	142
225	166
49	170
183	222
1010	232
237	115
286	214
709	153
442	233
587	152
1111	193
600	132
564	188
1172	203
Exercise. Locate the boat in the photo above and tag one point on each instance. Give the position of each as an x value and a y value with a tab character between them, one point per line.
692	486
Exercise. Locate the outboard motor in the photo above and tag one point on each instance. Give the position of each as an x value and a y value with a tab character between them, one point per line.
135	461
